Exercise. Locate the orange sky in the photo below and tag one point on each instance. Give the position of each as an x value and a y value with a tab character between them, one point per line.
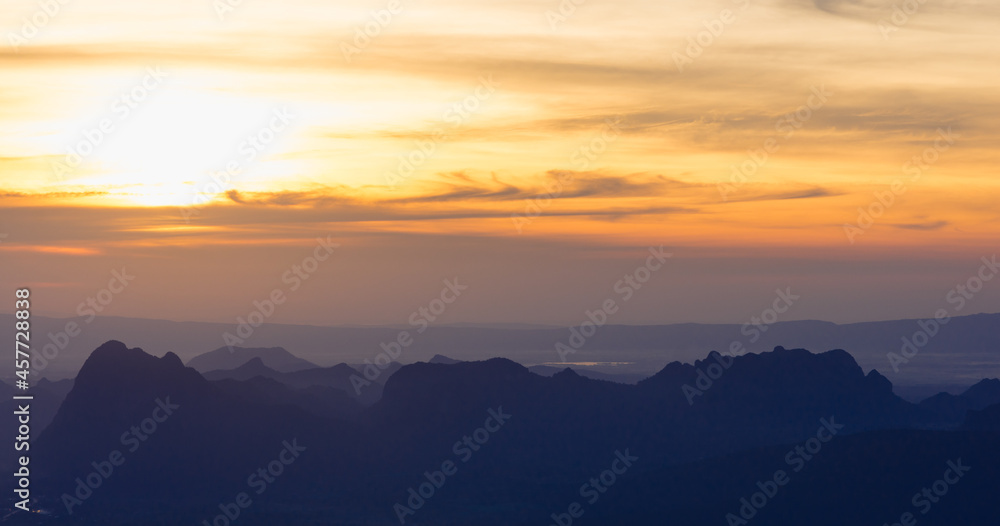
545	151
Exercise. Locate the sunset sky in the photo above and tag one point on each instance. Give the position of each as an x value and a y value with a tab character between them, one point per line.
497	104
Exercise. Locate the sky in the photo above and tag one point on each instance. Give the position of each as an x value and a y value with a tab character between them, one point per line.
534	151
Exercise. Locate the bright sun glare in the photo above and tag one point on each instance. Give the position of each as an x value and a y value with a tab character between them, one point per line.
163	152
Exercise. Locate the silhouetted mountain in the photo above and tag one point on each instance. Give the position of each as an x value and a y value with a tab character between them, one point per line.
276	358
337	377
950	409
790	383
251	369
548	436
321	391
974	337
440	358
179	434
48	396
548	370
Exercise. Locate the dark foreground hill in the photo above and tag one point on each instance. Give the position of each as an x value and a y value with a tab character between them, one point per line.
492	443
952	409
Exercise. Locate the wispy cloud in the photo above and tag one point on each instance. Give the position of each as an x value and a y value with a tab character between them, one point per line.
932	225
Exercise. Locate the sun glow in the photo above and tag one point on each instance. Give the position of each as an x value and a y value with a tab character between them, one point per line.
164	150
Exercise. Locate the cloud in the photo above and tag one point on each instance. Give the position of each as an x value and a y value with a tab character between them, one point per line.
807	193
458	186
49	249
949	16
934	225
54	194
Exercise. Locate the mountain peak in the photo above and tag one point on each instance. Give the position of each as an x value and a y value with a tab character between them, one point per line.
226	358
172	359
767	377
256	362
566	373
110	348
440	377
984	388
114	357
878	382
115	376
251	368
440	358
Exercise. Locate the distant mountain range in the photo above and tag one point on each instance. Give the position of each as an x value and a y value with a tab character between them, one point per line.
276	358
960	353
696	438
337	377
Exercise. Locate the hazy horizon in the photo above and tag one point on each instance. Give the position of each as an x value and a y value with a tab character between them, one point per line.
513	325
